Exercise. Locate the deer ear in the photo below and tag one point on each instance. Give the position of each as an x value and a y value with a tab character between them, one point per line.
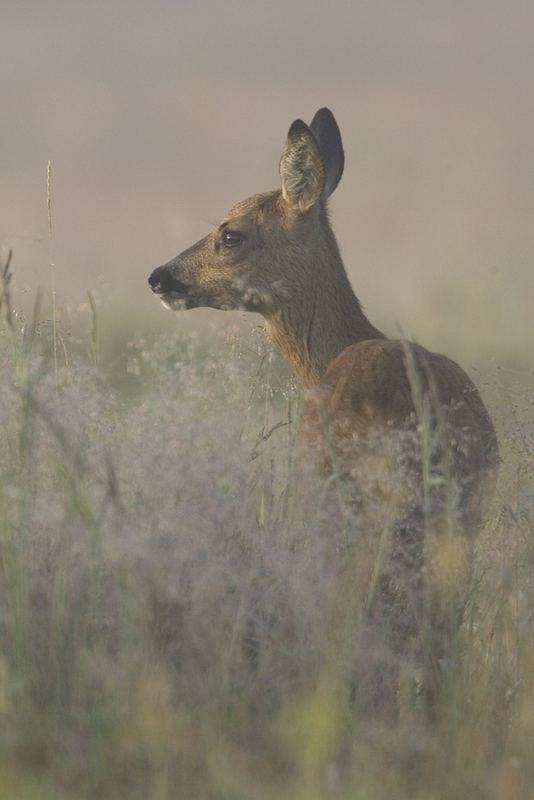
326	132
301	168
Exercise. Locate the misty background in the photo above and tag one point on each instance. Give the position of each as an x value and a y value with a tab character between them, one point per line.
157	117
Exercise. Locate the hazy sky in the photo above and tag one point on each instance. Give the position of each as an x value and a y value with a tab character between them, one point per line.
158	116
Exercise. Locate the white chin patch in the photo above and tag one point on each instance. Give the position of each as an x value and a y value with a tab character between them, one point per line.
173	303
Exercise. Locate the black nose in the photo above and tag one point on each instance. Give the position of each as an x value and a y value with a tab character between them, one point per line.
155	279
161	281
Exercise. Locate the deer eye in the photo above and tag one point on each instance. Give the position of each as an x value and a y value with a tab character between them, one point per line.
231	238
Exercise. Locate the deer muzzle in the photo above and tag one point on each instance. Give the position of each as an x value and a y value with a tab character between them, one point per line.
173	293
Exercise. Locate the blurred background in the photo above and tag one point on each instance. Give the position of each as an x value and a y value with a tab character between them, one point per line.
158	116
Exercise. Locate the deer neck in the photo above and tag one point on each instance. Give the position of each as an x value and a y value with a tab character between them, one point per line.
325	319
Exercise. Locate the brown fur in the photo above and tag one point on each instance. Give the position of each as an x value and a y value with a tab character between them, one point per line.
275	253
286	266
371	385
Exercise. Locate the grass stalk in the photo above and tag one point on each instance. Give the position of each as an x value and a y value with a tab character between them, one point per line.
52	270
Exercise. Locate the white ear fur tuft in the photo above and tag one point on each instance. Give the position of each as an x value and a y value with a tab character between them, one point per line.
301	168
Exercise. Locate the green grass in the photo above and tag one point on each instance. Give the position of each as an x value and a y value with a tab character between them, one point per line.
168	630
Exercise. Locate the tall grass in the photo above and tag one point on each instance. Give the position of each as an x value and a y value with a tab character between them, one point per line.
168	626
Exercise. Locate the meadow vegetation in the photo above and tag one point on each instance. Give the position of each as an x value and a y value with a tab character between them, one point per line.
168	627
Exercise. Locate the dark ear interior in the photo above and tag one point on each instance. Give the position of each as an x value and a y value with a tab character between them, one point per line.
326	132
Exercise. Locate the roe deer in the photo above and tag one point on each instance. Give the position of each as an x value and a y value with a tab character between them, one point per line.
275	253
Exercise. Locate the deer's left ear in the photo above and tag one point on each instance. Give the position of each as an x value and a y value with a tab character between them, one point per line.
326	132
301	168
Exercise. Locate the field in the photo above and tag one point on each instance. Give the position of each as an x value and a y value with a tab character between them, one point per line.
166	633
